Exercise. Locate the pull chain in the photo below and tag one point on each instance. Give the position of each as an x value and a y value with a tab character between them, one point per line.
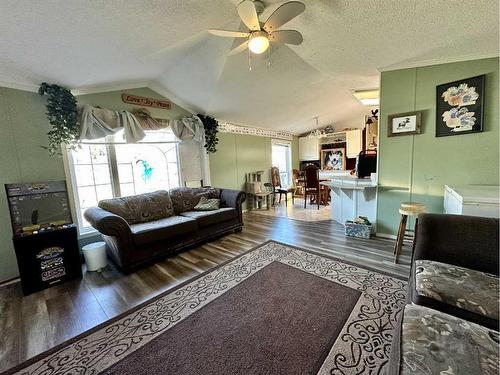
269	58
249	60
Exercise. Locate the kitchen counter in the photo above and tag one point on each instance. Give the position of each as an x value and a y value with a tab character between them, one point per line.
350	182
352	197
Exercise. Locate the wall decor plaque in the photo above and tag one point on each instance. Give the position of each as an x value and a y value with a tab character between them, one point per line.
145	102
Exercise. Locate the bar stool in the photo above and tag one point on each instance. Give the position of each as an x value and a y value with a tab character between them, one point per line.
406	209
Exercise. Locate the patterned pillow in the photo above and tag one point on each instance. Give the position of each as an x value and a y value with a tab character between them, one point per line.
140	208
206	204
184	199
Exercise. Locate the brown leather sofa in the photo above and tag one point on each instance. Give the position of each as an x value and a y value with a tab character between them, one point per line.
143	228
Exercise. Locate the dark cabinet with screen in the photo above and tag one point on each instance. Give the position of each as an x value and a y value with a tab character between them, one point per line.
48	258
45	240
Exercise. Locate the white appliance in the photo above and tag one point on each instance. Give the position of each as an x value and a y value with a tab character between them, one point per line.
474	200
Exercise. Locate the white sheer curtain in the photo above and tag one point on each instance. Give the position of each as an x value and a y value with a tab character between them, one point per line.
190	131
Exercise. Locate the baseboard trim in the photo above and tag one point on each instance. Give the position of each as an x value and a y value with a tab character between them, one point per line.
10	281
386	235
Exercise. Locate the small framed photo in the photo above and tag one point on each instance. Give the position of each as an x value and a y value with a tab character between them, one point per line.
333	159
460	106
404	123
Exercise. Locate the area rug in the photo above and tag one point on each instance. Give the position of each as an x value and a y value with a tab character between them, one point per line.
276	309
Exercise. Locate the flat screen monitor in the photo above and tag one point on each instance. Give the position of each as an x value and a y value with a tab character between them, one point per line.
34	206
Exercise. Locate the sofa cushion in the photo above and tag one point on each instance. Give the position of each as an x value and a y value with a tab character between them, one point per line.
162	229
206	204
140	208
467	289
207	218
184	199
433	342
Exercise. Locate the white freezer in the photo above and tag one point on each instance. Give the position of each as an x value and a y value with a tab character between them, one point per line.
474	200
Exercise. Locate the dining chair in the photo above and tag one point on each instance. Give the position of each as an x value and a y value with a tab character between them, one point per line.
298	182
278	188
311	184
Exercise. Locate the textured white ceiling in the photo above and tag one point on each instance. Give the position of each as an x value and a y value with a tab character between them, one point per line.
81	44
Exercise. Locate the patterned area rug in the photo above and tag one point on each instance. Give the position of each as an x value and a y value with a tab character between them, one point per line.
276	309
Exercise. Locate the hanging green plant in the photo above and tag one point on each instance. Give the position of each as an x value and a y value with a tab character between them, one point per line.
211	126
62	115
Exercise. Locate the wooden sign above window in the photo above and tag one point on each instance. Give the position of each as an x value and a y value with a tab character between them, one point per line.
145	102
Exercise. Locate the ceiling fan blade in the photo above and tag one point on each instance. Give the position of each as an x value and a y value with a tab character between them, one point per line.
283	14
243	46
286	36
248	15
229	34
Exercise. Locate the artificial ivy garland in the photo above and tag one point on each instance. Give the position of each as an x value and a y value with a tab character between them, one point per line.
211	128
62	115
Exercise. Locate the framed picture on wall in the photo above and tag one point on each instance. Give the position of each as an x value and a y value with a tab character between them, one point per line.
404	123
333	159
459	107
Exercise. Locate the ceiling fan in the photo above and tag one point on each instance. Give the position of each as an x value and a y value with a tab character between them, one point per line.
260	35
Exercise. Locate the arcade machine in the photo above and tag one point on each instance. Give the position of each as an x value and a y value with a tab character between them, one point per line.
44	236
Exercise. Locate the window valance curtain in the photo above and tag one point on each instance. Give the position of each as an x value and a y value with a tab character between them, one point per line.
98	123
188	129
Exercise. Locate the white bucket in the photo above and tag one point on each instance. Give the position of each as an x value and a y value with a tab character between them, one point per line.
95	256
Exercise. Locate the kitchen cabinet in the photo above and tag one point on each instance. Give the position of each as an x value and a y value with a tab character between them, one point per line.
308	148
354	142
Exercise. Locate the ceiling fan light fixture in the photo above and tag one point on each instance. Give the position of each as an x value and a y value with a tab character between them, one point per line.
258	42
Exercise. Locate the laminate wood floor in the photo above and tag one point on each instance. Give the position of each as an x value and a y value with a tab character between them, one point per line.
30	325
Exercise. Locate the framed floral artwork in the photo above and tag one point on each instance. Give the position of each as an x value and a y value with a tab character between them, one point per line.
459	107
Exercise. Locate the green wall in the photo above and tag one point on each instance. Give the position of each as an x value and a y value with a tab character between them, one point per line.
23	129
238	155
417	167
295	152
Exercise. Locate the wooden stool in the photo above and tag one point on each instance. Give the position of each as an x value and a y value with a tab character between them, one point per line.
406	209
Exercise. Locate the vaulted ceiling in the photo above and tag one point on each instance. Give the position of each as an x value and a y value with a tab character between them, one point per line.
88	45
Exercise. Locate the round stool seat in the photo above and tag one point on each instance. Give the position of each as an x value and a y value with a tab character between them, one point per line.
412	208
95	256
406	209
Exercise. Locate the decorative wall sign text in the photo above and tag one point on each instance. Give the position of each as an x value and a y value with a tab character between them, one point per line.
145	102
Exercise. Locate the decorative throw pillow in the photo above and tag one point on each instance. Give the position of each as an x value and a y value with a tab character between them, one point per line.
185	199
207	204
140	208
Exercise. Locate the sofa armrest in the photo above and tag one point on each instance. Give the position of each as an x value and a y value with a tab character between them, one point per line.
467	241
106	222
234	199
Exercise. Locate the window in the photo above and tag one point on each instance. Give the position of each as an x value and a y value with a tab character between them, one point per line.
108	168
282	158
